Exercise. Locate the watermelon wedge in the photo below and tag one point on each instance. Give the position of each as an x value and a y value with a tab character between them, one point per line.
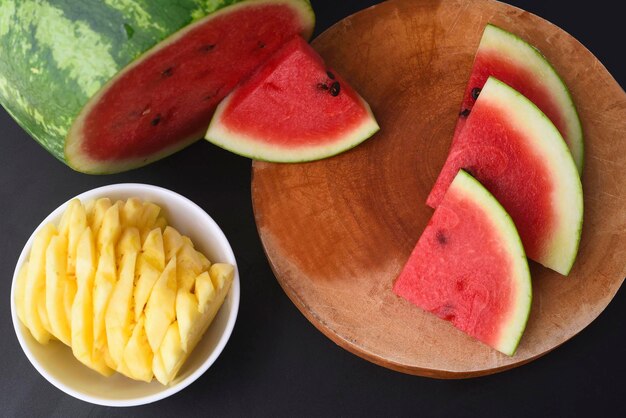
292	109
109	86
469	267
519	156
513	61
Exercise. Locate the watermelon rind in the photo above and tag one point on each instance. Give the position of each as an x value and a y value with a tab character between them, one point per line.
258	149
512	328
59	57
515	49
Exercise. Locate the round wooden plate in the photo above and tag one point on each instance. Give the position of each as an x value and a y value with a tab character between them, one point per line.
338	231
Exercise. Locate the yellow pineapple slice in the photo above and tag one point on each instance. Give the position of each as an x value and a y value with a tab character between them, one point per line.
188	265
172	241
137	354
187	316
111	227
20	289
82	308
153	250
205	263
172	355
131	212
204	290
64	223
147	277
95	215
56	283
35	315
118	318
128	243
77	224
158	369
149	216
160	309
104	283
161	223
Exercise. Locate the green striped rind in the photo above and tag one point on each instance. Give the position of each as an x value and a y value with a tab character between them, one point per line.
56	54
220	134
561	247
515	49
512	327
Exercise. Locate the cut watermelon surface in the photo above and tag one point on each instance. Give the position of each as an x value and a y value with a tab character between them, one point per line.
292	109
469	267
519	156
108	86
513	61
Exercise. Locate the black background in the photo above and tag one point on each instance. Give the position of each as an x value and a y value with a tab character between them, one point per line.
276	363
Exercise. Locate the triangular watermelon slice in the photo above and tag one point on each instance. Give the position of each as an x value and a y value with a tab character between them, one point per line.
519	156
513	61
292	109
469	267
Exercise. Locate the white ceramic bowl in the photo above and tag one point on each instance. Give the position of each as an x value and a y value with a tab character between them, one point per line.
55	361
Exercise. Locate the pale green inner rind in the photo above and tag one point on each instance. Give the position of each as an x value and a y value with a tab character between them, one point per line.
524	55
545	140
260	149
512	327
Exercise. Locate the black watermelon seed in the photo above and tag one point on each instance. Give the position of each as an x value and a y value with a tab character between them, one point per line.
475	92
330	75
335	88
441	237
322	86
207	47
155	121
261	44
464	113
167	72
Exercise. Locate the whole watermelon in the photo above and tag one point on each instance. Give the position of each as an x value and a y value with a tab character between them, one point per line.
106	86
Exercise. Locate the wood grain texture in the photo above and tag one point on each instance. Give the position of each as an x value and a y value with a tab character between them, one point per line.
338	231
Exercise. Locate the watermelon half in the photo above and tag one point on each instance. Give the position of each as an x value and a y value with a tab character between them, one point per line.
513	61
469	267
514	150
108	86
292	109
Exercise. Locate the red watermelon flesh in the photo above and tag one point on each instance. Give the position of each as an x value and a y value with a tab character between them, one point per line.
519	156
292	109
469	267
167	100
513	61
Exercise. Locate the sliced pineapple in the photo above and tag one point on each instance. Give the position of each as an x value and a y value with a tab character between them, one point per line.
188	266
95	216
147	277
149	216
111	227
56	284
131	212
187	316
104	283
160	309
172	241
20	292
153	250
204	290
118	318
137	354
129	243
35	315
172	355
77	223
82	308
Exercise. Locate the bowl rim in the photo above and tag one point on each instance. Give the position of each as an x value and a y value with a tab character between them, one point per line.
167	390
